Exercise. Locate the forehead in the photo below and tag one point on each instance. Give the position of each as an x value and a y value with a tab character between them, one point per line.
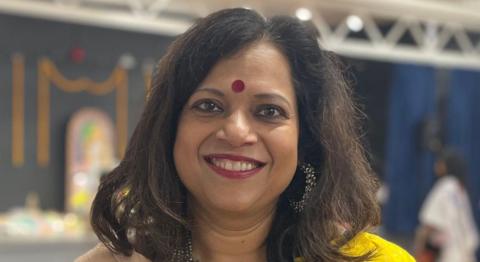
260	65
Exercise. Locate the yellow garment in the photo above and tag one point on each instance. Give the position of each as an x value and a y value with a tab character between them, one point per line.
385	251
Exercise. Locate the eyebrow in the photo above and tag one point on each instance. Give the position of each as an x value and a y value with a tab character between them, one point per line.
259	96
272	96
211	90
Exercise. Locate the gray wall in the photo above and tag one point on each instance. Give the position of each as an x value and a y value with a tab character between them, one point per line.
38	38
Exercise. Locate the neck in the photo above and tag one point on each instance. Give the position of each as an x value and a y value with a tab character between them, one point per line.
230	237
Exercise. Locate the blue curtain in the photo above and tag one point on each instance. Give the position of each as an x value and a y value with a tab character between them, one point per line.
463	127
409	167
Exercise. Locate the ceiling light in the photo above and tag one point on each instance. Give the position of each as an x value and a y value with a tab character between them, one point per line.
354	23
303	14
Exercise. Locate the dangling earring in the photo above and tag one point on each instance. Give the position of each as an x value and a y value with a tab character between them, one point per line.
310	181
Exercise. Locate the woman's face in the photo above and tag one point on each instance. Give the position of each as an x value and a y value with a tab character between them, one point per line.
236	144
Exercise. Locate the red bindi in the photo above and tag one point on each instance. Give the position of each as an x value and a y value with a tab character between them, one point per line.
238	86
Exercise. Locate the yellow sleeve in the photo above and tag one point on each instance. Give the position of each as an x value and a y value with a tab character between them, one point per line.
383	250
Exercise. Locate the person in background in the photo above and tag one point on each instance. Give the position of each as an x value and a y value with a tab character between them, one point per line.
447	230
248	150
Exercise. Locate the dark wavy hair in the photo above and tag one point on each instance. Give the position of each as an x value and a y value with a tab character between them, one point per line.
145	193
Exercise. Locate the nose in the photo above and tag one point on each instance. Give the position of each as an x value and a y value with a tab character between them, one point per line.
237	130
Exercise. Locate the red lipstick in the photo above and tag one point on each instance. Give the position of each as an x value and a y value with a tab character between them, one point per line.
233	174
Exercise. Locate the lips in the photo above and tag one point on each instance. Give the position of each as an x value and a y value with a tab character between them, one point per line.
233	166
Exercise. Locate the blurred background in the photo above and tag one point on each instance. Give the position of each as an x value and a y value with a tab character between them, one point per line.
74	76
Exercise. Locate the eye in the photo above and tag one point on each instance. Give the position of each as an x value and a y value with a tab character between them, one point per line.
271	112
207	106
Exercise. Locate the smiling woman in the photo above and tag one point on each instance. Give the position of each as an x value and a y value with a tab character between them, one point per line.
248	150
235	151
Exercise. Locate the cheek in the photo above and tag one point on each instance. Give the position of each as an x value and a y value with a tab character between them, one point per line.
190	138
184	150
284	151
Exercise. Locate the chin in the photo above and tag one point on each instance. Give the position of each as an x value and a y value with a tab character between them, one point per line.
234	205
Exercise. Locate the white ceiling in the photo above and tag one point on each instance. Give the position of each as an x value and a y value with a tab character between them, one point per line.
433	23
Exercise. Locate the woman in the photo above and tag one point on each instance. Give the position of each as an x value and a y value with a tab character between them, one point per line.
447	230
248	150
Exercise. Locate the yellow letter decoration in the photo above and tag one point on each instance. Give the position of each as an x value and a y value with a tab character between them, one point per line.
48	73
18	107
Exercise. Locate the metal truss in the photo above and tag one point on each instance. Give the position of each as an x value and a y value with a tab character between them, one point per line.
443	33
444	38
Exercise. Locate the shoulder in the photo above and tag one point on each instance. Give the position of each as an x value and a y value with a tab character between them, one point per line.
441	191
446	183
100	253
383	250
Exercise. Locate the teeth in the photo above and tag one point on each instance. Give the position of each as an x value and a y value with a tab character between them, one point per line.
237	166
243	166
234	165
